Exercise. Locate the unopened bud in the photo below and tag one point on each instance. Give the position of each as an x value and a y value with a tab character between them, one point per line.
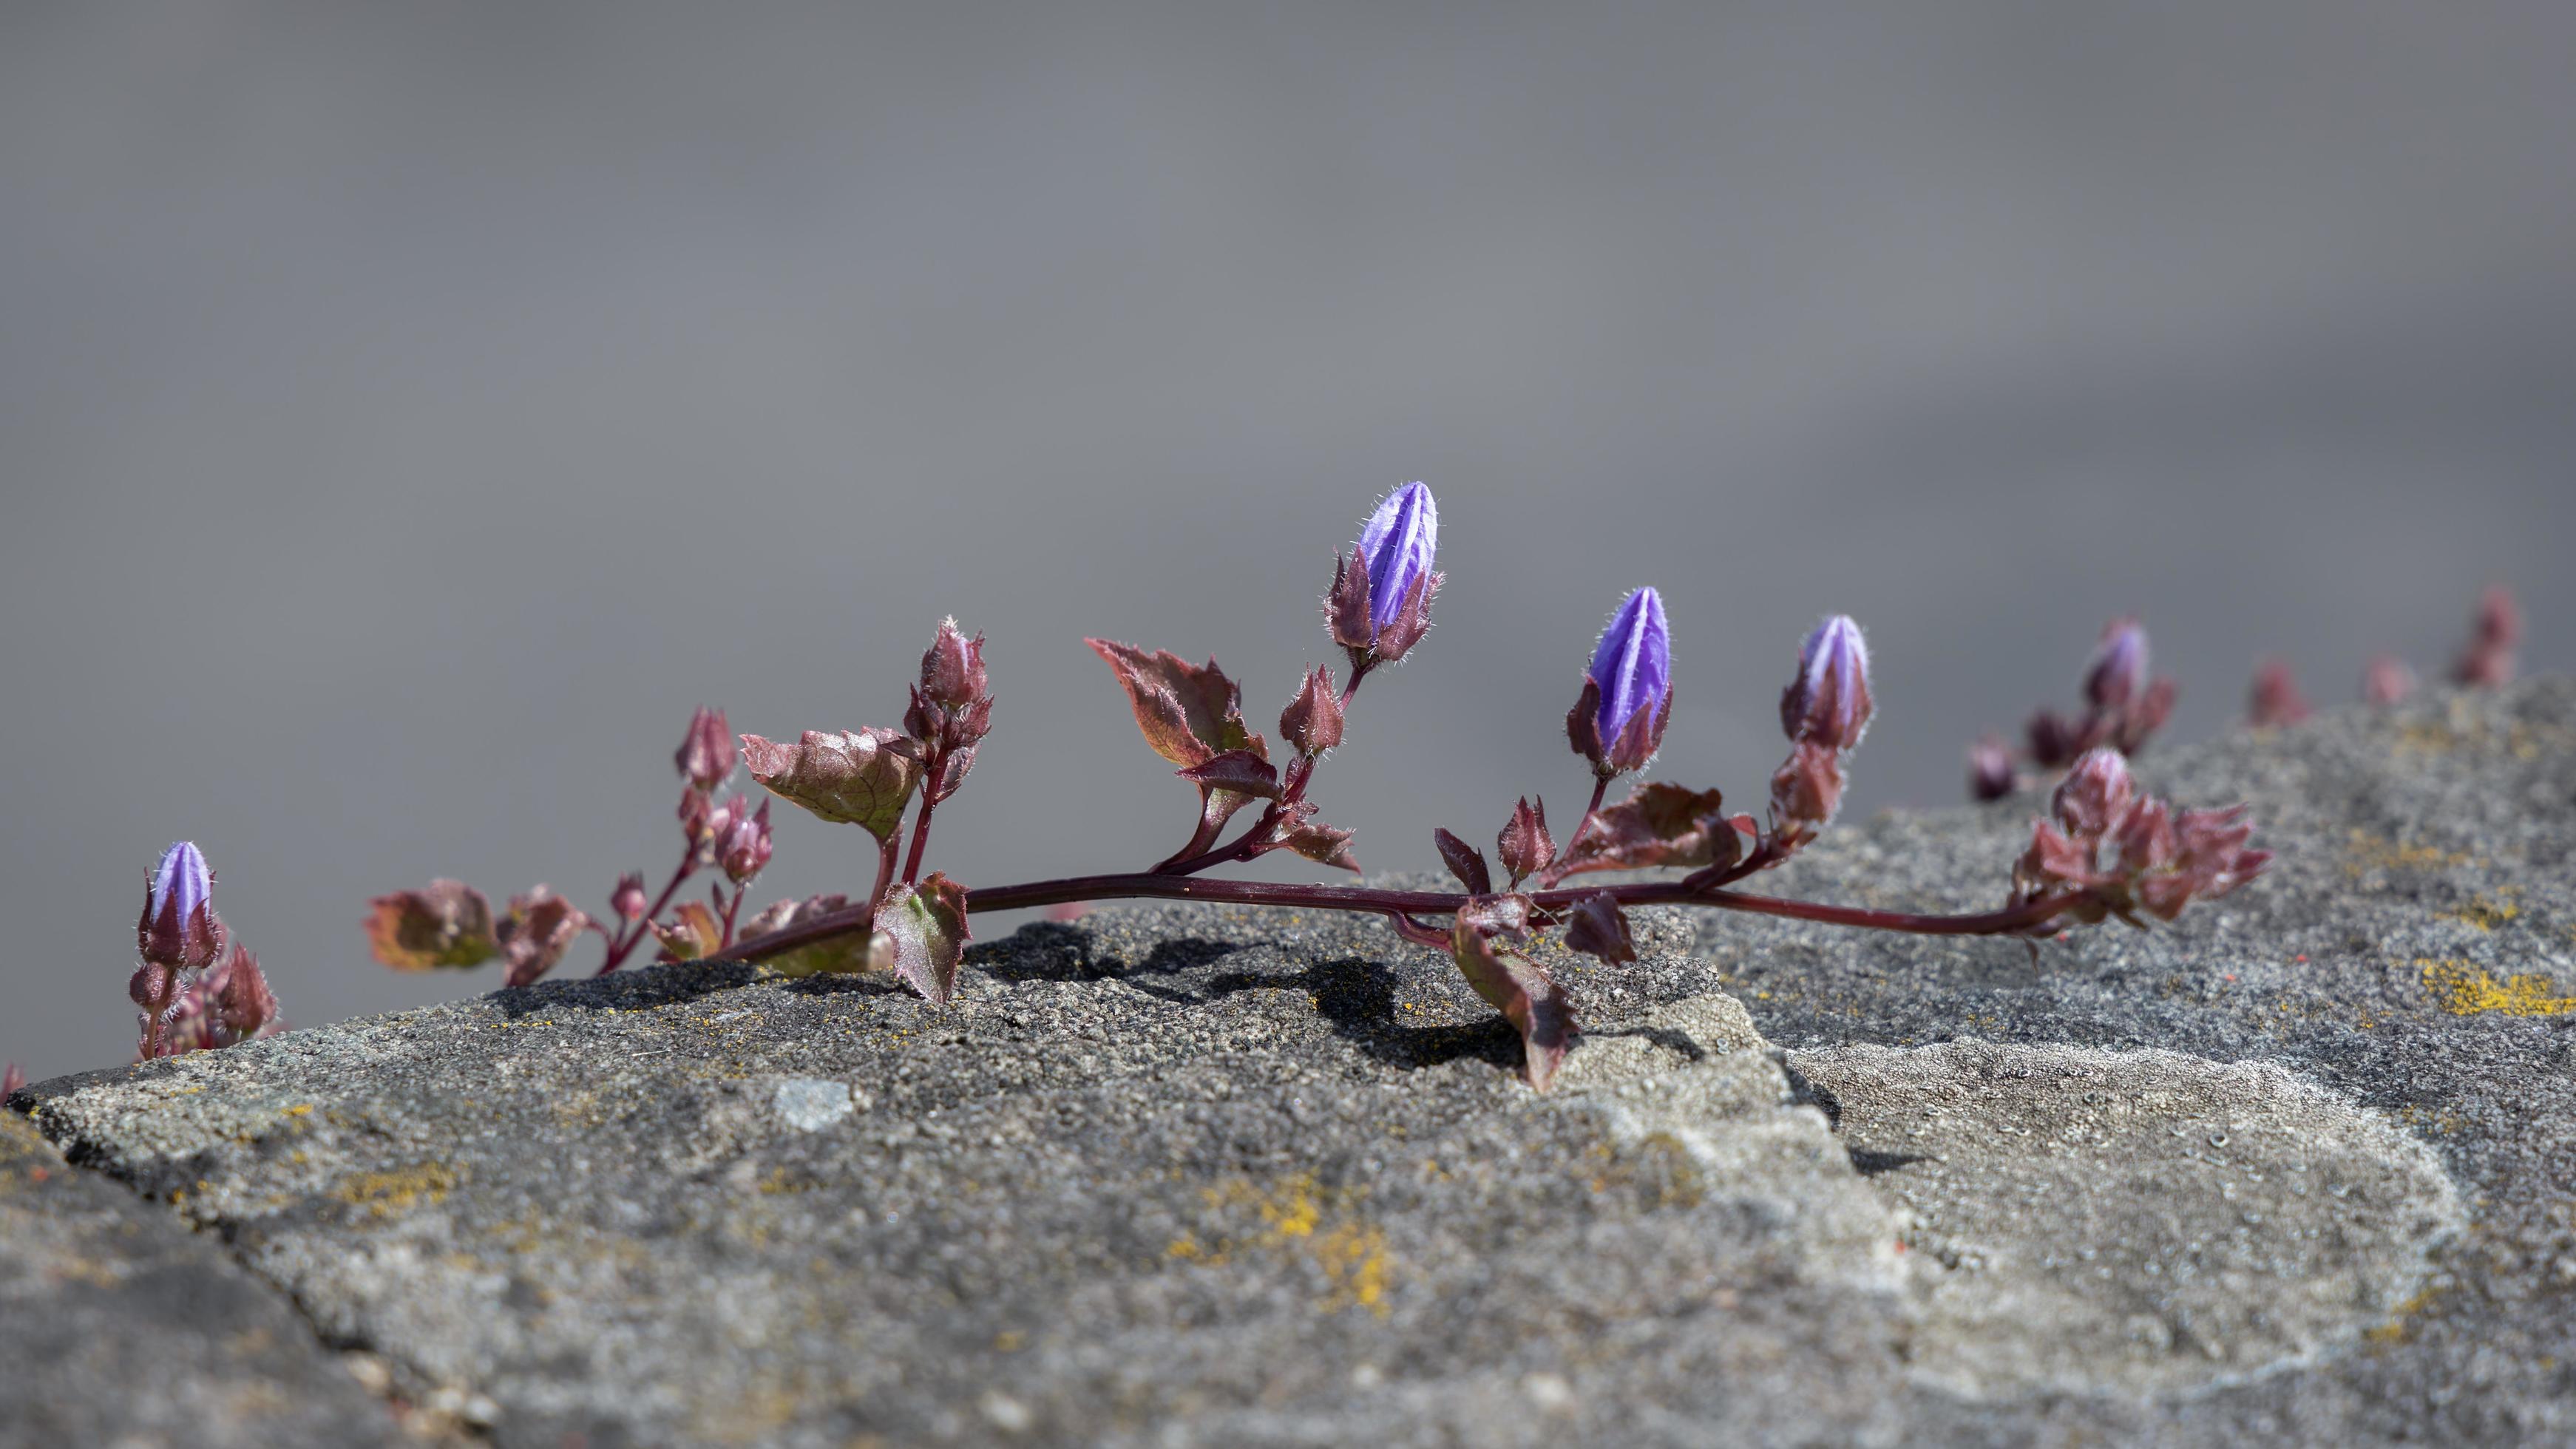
12	1081
628	899
1618	720
1828	703
2095	795
2275	699
178	928
744	847
952	670
1313	720
243	1001
2487	660
2386	680
706	753
1524	846
2117	673
1990	769
1380	603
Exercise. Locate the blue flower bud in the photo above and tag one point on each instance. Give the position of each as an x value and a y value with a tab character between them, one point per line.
1828	704
178	926
1633	664
1395	549
2117	672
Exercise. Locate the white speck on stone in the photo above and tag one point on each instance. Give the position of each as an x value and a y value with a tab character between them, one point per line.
1548	1391
809	1104
1006	1413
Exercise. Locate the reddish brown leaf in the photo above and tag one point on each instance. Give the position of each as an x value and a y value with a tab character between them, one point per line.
540	927
864	777
1658	824
447	925
1524	993
1239	772
1189	712
1465	862
1597	925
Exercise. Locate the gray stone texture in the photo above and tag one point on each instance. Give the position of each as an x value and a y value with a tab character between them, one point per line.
2300	1167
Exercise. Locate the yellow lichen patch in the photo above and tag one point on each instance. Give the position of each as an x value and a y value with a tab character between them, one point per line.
384	1194
2393	1332
2461	989
2368	852
2483	913
1298	1218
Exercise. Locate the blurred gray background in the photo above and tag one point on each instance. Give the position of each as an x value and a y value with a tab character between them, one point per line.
409	412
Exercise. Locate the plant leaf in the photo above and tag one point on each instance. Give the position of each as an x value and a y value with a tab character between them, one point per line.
1524	993
448	925
1658	824
864	777
540	927
1597	925
927	926
1189	712
1237	772
692	934
1465	862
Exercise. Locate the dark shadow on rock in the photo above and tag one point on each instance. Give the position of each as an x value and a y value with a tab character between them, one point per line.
1870	1164
1804	1093
668	984
1055	951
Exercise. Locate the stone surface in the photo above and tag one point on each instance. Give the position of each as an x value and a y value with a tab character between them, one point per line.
2299	1167
119	1325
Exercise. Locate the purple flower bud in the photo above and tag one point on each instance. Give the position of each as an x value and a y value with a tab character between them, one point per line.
744	847
2386	680
1990	769
707	753
628	899
2094	797
1618	721
178	926
1828	704
2117	673
1395	549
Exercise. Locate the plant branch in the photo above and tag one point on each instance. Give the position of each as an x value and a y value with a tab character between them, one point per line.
1374	901
624	944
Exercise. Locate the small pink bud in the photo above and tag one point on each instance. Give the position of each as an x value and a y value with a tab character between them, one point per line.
1990	769
12	1082
2117	673
2487	660
2386	680
2275	699
1524	846
744	847
2095	795
628	899
1313	720
952	670
706	754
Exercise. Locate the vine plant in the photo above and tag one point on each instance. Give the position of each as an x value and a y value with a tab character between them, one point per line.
2104	851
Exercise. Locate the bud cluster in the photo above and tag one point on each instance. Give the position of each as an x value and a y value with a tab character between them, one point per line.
196	988
952	709
2123	707
2121	852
